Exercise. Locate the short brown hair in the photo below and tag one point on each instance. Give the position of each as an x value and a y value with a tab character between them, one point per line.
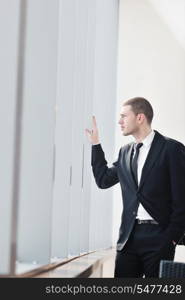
141	105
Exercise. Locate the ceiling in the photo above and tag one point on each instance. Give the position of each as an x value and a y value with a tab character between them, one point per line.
173	14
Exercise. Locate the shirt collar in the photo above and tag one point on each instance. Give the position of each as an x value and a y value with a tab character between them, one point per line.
148	139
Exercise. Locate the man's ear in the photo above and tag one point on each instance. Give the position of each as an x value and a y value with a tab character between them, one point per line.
141	117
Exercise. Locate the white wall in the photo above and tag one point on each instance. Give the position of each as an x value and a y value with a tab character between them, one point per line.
151	64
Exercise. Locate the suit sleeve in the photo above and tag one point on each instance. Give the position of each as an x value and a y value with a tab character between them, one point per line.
177	181
105	177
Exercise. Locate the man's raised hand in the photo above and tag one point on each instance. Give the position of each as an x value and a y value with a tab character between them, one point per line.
92	135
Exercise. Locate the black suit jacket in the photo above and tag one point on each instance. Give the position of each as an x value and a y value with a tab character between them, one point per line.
161	190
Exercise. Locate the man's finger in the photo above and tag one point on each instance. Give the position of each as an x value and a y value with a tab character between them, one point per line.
94	122
88	131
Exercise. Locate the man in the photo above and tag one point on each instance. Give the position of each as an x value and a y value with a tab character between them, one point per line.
151	173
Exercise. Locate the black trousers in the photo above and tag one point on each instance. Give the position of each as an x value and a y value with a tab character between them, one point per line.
141	255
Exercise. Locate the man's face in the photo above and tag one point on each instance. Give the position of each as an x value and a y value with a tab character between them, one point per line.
128	120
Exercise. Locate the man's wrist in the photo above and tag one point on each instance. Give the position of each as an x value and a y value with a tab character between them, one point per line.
94	144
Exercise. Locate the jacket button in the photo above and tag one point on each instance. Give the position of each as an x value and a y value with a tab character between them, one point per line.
134	212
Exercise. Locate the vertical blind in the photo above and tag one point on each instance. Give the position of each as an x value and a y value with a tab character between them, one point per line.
69	74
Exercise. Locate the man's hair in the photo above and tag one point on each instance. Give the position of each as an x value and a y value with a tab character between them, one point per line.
141	105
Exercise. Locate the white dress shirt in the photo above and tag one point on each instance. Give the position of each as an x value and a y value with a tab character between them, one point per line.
142	214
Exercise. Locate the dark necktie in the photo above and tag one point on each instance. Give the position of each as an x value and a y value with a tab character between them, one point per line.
134	162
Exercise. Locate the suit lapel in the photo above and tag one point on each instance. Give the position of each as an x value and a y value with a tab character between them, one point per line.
156	147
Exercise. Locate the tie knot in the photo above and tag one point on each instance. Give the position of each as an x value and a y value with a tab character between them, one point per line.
138	146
